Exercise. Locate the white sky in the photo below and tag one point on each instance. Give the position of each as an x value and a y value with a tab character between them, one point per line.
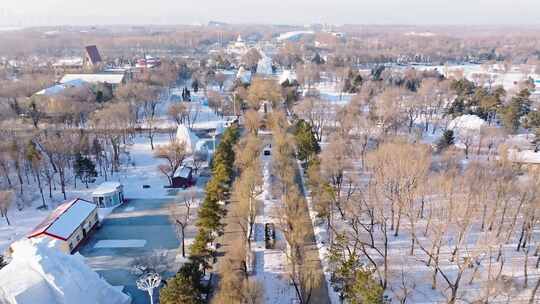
77	12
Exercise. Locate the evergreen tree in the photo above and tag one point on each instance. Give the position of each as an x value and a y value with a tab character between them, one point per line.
84	168
210	214
519	106
195	85
352	82
217	189
351	278
184	287
446	140
317	59
305	140
364	290
376	73
457	108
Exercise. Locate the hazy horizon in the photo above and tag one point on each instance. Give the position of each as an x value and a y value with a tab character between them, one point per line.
296	12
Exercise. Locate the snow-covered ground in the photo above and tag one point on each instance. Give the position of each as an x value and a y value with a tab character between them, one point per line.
413	267
331	92
40	274
509	80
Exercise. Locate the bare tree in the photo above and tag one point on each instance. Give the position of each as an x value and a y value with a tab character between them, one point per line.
252	121
6	199
178	112
317	113
398	169
180	213
174	154
263	90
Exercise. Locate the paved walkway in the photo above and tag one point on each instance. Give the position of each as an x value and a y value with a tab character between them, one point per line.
320	294
271	264
136	229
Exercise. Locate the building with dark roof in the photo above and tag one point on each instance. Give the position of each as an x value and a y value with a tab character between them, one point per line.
91	56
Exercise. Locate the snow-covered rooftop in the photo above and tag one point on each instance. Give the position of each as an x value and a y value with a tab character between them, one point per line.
94	78
183	172
107	188
65	219
39	273
59	88
293	35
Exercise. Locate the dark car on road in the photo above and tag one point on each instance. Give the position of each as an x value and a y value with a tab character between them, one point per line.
269	235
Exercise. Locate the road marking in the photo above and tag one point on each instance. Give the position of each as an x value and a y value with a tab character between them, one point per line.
120	244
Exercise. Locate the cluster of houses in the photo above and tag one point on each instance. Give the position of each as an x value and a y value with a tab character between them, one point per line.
109	76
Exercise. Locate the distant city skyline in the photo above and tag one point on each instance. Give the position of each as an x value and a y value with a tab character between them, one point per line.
296	12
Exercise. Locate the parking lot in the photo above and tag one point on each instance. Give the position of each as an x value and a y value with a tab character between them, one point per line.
136	229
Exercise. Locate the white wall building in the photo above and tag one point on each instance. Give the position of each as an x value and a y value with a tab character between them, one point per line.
108	194
68	224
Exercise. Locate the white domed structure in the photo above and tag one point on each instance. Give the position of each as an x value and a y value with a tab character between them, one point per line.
466	123
188	138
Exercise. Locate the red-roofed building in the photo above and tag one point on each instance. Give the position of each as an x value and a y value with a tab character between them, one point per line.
91	56
68	224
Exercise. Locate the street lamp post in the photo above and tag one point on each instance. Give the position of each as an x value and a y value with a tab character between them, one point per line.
148	282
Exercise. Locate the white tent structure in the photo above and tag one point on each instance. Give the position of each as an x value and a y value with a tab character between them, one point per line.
287	75
39	273
264	66
466	129
186	137
466	122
